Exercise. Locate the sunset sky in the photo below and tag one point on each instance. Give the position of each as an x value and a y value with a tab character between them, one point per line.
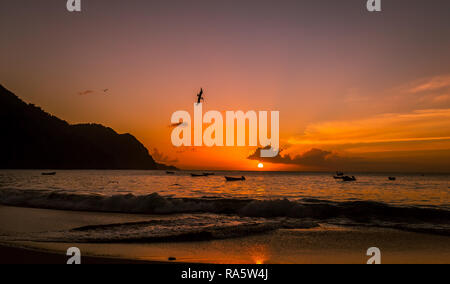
355	90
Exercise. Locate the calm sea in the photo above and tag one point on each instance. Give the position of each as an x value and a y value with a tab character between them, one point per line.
416	190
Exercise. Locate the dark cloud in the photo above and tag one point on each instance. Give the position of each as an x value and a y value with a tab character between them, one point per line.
161	158
435	161
186	150
315	158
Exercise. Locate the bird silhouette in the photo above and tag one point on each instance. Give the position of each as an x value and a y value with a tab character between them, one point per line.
200	96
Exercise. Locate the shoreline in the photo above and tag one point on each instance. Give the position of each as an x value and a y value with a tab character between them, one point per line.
10	254
300	246
324	244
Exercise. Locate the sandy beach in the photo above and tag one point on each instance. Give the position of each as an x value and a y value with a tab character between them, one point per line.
322	245
399	248
15	255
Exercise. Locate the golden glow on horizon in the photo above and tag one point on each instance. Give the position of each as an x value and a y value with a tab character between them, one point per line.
261	165
420	126
259	262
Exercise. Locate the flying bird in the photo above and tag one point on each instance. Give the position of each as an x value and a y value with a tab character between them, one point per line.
93	92
87	92
200	96
174	125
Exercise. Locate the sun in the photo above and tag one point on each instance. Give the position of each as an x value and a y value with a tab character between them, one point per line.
261	165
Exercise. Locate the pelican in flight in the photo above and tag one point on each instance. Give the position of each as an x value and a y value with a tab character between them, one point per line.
200	96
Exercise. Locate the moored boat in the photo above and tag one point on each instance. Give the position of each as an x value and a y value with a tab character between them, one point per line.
198	175
235	179
346	178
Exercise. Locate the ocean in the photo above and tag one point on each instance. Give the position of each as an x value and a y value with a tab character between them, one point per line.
272	217
212	208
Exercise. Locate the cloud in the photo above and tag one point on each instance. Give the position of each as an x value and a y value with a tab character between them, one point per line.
187	150
315	158
420	125
413	134
433	161
161	158
441	98
417	141
438	83
429	91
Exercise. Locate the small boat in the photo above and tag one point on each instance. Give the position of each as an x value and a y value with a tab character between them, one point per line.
170	173
198	175
392	178
209	174
49	174
339	174
338	177
235	179
346	178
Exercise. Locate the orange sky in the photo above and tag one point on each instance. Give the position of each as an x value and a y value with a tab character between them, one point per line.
371	92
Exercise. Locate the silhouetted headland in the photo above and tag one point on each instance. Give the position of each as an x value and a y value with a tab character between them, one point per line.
34	139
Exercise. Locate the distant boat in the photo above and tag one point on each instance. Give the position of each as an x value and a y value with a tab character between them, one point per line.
346	178
170	173
49	174
235	179
199	175
392	178
338	177
339	174
209	174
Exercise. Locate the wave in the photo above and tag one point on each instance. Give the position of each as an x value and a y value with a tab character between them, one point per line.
180	229
414	218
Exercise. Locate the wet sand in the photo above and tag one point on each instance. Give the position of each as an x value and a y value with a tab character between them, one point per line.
14	255
327	244
312	246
